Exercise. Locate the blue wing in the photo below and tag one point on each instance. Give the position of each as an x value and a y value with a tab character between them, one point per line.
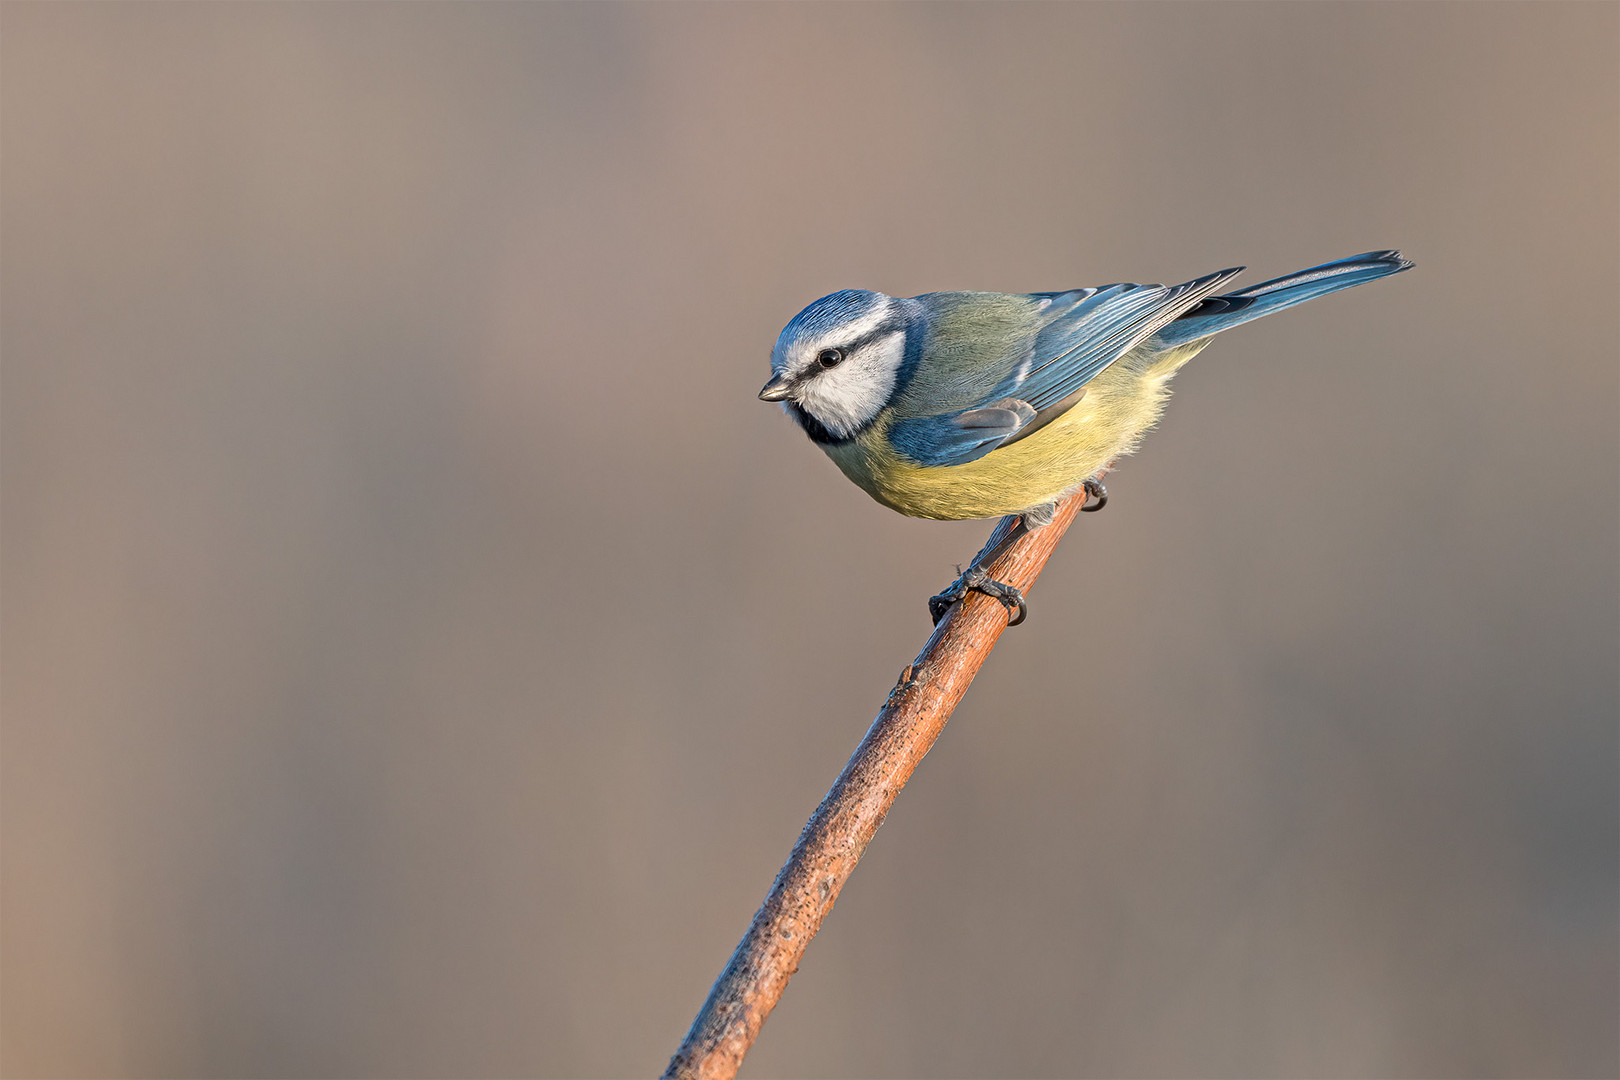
1097	327
1082	332
960	437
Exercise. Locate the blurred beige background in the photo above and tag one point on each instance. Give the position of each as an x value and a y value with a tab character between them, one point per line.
421	649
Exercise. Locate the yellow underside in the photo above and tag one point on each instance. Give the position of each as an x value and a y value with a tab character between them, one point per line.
1120	405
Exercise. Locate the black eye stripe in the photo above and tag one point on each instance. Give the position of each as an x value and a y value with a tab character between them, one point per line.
877	334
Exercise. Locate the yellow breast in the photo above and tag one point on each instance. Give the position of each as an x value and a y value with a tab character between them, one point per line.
1119	406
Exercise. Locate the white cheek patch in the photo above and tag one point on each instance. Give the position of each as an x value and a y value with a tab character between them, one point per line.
847	397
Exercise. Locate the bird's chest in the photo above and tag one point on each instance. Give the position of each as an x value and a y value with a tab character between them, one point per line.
868	459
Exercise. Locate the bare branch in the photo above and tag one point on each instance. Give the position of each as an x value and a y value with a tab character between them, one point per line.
837	834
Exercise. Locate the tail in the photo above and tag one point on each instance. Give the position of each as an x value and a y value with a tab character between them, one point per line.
1220	313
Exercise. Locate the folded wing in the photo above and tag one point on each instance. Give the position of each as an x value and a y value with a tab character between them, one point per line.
1083	332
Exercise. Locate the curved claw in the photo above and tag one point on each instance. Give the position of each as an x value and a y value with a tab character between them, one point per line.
1095	490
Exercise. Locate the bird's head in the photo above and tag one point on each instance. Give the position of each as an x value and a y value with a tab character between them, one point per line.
837	364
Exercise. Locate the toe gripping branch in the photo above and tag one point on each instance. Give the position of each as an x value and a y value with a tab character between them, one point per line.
977	580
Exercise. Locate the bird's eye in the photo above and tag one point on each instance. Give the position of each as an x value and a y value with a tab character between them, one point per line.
830	357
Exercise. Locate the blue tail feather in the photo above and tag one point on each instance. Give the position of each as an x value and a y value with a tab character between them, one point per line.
1219	313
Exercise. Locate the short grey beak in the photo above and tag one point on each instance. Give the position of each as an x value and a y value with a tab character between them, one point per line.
780	388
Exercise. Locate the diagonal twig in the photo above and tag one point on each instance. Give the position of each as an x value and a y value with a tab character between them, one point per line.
837	834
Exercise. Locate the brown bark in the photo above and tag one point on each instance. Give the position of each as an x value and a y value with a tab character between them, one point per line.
838	832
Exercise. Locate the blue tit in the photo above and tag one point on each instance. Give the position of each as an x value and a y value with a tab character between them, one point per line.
974	404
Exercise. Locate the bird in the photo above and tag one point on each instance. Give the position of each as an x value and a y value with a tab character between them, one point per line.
959	405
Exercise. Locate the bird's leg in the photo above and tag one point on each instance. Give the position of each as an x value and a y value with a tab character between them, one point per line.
1036	517
976	579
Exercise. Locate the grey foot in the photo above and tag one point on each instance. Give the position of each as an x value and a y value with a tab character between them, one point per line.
976	580
1095	490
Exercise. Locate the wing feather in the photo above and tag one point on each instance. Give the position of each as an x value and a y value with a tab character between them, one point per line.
1079	343
957	438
